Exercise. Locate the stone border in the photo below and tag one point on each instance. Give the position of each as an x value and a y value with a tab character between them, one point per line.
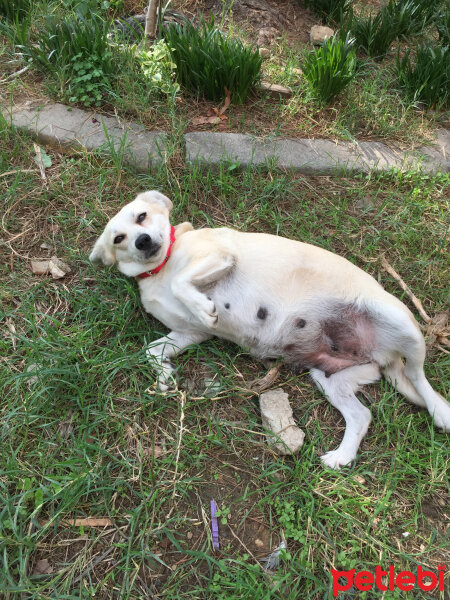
65	127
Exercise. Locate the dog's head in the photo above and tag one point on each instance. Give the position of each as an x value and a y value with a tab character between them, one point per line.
138	237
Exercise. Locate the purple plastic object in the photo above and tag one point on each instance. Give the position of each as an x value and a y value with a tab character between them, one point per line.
214	525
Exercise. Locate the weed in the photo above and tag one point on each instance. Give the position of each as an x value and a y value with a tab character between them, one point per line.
158	67
329	10
427	79
330	69
76	52
208	61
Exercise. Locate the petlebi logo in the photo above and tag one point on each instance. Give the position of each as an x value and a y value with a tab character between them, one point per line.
389	579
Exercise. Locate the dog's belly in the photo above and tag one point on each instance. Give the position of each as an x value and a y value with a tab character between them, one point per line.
316	332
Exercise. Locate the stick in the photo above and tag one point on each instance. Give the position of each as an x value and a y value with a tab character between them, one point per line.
417	303
180	437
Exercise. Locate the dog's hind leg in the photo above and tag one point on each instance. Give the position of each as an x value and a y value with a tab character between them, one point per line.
395	374
162	350
406	339
340	390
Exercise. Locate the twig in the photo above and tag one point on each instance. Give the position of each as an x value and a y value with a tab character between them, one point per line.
259	385
180	437
14	75
17	171
417	303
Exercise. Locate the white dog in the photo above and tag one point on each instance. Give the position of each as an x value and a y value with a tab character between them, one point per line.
277	298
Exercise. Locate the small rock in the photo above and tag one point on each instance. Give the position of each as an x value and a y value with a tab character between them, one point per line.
276	414
189	535
266	36
259	543
39	267
318	34
58	268
264	52
275	90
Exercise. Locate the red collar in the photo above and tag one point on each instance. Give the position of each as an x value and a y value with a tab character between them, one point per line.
159	267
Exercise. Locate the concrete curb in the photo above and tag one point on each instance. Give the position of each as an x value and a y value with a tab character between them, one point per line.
65	127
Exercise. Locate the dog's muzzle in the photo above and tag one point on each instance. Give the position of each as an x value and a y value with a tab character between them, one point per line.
145	244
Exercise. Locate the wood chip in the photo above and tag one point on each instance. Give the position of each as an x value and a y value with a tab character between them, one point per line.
275	90
82	522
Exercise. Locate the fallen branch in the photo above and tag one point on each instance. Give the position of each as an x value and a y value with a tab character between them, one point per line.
417	303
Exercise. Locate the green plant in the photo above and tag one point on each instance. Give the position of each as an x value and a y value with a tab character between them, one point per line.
224	514
329	10
158	68
330	69
409	17
427	79
77	53
375	33
208	61
443	26
13	10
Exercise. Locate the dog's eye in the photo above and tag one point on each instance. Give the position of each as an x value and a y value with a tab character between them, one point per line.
118	239
141	217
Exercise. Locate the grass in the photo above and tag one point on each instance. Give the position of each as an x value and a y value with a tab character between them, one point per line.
81	420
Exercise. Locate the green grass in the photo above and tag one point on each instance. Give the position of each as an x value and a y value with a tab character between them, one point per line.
79	416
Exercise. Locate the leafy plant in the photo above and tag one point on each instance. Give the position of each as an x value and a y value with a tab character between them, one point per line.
330	69
13	10
375	33
329	10
158	68
443	26
77	52
409	17
427	79
208	62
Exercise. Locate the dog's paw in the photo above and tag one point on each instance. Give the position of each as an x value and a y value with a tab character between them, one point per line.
335	459
441	415
208	314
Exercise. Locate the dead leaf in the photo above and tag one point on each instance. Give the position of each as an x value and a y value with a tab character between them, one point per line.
65	428
227	102
12	330
154	451
438	329
40	267
206	121
42	567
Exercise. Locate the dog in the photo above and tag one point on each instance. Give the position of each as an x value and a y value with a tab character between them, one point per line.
278	299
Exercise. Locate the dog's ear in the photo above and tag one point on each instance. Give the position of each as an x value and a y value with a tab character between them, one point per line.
155	197
101	252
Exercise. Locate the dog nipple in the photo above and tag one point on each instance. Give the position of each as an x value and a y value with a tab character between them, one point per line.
262	313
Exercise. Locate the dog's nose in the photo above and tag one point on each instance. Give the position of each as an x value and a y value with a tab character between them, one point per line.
143	242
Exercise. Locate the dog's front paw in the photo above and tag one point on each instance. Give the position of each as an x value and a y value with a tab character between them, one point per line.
335	459
441	415
208	314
